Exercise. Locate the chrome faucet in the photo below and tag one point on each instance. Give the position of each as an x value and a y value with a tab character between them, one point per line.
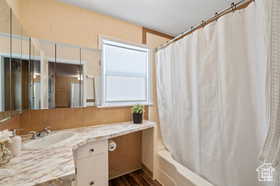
34	134
46	131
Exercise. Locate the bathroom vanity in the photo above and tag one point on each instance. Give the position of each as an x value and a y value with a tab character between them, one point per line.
77	157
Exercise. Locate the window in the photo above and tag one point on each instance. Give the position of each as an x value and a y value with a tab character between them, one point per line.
125	74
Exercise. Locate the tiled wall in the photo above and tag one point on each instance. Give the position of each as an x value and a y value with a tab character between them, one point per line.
13	123
73	118
58	119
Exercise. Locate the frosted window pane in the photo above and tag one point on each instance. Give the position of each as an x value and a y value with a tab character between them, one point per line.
125	88
125	60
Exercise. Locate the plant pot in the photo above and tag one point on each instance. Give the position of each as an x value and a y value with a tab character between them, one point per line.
137	118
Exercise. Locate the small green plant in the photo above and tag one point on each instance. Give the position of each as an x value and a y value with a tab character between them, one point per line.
138	109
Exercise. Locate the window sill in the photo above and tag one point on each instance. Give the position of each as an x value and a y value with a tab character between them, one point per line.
124	105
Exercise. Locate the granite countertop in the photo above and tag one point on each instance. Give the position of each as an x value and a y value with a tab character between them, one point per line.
55	165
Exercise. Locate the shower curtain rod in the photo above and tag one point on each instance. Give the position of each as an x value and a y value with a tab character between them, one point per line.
234	6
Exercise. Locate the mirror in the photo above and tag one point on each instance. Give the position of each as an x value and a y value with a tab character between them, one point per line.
40	53
67	85
25	63
25	75
39	74
15	65
65	77
5	51
34	76
71	74
91	59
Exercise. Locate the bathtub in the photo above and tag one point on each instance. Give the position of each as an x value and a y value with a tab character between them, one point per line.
171	173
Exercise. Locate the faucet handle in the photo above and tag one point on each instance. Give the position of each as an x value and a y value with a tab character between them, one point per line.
48	129
34	134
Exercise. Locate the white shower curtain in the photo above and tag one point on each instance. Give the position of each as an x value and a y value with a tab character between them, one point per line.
211	99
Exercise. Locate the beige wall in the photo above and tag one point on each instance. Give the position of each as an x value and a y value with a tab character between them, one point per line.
151	138
4	17
154	41
60	22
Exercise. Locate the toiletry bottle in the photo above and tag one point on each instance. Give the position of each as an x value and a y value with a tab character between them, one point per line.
16	143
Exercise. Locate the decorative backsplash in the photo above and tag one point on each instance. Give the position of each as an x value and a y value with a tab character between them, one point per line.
13	123
68	118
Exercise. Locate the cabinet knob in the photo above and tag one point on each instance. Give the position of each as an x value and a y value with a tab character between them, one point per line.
91	150
91	183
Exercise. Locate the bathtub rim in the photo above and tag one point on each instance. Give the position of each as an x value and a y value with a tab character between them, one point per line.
194	178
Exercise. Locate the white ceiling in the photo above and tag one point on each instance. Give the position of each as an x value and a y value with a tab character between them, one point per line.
167	16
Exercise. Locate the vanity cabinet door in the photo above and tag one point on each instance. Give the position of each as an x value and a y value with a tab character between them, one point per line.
93	171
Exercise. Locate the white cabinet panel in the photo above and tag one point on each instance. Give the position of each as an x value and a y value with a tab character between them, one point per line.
92	166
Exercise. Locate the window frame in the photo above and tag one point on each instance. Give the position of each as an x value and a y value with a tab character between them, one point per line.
104	74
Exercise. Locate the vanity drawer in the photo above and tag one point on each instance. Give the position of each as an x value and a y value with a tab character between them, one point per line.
92	149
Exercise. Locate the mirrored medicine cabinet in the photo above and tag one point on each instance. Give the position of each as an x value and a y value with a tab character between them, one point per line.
40	74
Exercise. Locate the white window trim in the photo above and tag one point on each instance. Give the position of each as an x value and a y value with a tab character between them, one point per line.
101	95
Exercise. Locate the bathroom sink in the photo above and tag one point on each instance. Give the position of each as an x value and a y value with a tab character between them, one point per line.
52	140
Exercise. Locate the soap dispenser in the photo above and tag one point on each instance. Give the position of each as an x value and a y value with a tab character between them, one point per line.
16	143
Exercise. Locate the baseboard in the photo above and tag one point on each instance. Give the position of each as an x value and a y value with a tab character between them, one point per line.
146	170
128	172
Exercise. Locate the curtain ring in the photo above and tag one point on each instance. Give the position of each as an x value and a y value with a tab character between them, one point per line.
203	23
216	16
233	6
